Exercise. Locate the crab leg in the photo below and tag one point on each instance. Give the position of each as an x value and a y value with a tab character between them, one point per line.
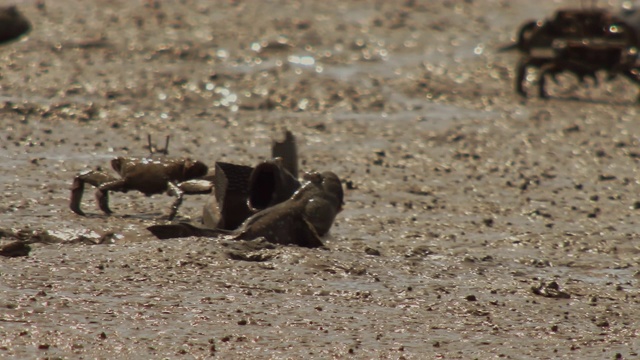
174	190
95	178
102	194
520	76
634	76
542	93
190	187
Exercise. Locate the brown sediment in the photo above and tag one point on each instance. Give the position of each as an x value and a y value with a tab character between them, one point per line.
460	197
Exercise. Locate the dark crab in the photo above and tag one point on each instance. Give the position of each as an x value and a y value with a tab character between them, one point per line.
582	60
566	24
577	41
149	175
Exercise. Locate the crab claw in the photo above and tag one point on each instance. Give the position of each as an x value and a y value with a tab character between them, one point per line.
95	178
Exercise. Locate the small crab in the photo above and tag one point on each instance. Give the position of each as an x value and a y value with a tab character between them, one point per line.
149	175
582	42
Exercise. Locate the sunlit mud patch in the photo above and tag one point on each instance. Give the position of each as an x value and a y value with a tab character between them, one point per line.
419	114
84	236
59	236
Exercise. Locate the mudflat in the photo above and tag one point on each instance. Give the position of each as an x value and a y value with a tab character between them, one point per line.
476	224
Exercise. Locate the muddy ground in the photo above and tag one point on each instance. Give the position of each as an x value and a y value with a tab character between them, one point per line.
463	200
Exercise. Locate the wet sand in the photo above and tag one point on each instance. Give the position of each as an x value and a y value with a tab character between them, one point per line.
477	224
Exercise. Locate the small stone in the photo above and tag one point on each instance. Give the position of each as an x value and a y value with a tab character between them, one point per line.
372	251
602	323
350	185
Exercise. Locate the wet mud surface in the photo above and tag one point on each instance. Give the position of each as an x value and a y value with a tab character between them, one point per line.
476	224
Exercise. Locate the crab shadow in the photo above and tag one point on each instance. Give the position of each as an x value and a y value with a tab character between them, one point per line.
582	100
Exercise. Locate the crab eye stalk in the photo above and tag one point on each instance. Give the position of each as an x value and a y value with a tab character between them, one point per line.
154	149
